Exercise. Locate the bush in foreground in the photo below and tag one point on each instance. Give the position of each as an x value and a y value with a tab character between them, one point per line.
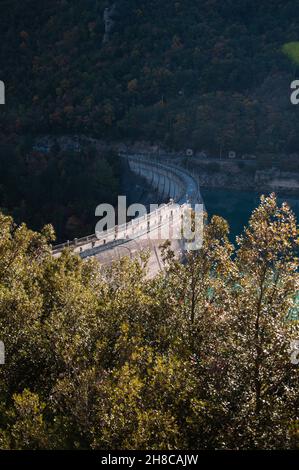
196	358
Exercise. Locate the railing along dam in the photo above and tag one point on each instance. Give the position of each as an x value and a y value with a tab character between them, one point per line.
145	232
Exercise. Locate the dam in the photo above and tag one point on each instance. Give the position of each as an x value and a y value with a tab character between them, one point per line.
146	232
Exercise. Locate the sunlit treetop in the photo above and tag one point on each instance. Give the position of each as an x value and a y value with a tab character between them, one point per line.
291	50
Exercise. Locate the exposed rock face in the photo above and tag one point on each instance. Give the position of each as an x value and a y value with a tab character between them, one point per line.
108	22
229	176
277	180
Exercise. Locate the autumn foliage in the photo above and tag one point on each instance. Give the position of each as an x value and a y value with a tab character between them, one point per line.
198	357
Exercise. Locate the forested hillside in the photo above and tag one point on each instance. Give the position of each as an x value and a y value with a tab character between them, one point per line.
61	187
208	74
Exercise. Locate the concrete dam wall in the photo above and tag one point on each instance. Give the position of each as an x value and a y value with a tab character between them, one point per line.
149	231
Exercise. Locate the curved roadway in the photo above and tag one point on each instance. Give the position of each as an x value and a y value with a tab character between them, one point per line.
143	232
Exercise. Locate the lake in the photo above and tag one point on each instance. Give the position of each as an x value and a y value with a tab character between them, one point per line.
236	206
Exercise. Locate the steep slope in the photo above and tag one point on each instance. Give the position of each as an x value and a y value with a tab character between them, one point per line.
186	73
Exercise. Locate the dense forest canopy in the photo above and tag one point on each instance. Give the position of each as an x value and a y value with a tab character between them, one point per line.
207	73
197	358
61	187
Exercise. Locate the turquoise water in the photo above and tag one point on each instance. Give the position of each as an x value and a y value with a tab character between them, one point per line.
236	206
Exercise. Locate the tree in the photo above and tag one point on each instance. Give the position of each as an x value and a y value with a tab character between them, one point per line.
197	357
